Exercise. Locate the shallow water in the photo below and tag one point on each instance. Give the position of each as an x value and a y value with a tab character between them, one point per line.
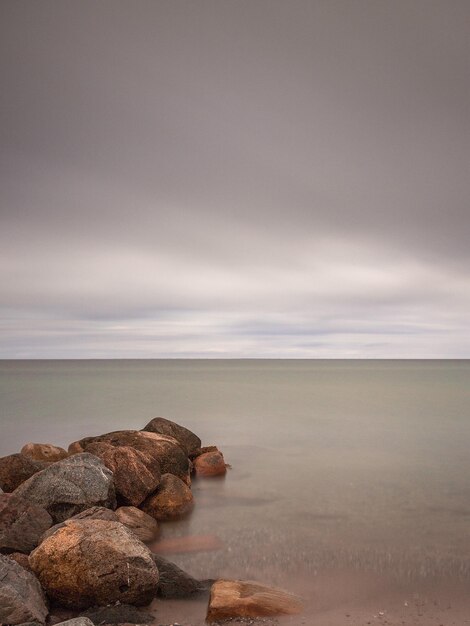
336	465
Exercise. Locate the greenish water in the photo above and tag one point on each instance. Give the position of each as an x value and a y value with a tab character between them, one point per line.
359	464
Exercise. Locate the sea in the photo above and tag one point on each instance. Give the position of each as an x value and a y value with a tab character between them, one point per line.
335	465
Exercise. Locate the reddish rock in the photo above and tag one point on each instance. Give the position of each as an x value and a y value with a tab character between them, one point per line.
172	499
238	598
187	440
166	450
44	452
71	486
21	523
144	526
210	464
15	469
21	597
136	474
95	563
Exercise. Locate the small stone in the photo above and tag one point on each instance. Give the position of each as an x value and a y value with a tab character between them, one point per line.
210	464
44	452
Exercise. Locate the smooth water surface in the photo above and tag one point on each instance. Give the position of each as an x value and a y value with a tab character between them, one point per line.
361	464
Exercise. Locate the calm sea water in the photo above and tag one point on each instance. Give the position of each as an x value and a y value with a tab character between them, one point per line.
361	464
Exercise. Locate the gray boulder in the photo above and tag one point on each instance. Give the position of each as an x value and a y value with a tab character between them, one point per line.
77	621
21	597
21	524
174	582
70	486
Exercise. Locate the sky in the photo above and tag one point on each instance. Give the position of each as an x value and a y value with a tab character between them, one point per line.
234	179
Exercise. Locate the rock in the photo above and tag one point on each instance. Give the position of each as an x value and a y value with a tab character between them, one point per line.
21	523
188	544
77	621
142	525
238	598
70	486
174	582
136	474
172	499
166	450
95	562
21	597
44	452
95	512
210	464
15	469
187	440
20	558
118	614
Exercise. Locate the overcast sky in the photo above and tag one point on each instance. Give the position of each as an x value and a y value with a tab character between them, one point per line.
234	178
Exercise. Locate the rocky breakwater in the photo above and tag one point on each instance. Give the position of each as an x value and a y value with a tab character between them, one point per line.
73	525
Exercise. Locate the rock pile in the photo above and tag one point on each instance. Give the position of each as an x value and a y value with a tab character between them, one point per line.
74	524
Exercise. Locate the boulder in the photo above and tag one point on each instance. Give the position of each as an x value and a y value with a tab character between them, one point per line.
44	452
175	583
210	464
21	523
166	450
238	598
21	597
15	469
142	524
172	499
95	563
136	474
187	440
118	614
70	486
95	512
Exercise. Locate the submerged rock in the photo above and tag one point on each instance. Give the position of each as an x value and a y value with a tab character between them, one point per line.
76	621
143	525
136	474
70	486
238	598
15	469
166	450
175	583
172	499
44	452
21	597
21	523
187	440
210	464
95	562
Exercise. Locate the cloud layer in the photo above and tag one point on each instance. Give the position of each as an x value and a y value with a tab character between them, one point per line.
234	179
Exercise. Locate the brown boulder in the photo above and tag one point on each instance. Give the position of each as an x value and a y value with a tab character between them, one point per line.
210	464
172	499
238	598
95	563
21	597
70	486
44	452
21	524
136	474
15	469
187	440
141	524
166	450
